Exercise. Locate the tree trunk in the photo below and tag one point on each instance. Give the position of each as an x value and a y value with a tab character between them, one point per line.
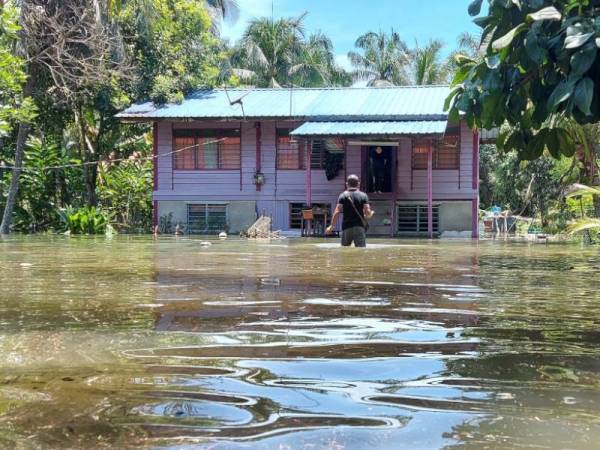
90	171
13	189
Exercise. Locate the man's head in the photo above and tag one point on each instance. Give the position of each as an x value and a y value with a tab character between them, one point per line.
379	150
352	182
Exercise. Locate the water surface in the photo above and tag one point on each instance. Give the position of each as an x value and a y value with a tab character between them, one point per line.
298	344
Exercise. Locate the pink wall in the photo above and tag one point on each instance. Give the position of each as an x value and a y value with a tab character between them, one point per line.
446	183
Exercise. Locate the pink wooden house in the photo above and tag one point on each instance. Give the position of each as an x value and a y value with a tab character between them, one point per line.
225	156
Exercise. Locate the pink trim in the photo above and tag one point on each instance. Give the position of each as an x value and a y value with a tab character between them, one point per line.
475	218
475	208
430	192
258	150
394	189
309	173
475	160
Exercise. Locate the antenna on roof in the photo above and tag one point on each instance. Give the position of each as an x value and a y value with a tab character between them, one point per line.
237	101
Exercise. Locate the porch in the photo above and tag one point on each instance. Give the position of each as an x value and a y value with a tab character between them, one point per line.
421	176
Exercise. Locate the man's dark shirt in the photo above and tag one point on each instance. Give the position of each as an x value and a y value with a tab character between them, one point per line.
351	219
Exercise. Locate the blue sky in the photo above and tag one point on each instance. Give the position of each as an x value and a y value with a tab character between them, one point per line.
344	20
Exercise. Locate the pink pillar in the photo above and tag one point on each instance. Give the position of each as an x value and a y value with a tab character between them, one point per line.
154	172
475	185
257	126
430	191
308	174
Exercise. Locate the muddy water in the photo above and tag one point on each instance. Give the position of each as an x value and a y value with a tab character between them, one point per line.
132	342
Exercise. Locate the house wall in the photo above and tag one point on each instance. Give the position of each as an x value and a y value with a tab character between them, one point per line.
176	188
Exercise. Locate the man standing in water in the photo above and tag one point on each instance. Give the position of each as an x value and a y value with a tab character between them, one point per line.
354	205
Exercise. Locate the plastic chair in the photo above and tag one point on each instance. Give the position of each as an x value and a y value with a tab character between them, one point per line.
308	216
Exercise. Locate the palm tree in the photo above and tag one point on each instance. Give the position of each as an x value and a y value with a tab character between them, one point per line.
268	50
315	64
383	59
426	64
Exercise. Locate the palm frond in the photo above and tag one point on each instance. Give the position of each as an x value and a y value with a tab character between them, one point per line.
577	190
583	225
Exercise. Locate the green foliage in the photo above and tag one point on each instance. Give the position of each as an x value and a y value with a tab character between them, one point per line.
531	188
540	64
275	52
382	59
42	190
171	45
86	220
125	191
426	64
14	107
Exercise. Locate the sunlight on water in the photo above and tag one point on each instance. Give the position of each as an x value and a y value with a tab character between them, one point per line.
300	344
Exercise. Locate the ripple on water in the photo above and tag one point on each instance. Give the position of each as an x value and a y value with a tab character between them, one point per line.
377	301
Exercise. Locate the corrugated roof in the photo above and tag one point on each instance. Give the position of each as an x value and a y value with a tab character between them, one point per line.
420	127
364	103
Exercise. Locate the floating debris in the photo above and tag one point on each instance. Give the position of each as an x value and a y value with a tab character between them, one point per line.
262	229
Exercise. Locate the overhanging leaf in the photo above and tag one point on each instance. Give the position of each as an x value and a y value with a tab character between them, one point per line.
583	95
561	93
475	7
552	141
549	13
582	60
507	39
577	40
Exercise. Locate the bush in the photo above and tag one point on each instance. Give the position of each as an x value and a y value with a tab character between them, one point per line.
86	220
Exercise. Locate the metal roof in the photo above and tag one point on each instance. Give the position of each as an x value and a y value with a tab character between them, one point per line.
352	103
420	127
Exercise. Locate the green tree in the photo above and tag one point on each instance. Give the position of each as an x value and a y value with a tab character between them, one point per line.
171	48
315	64
382	59
268	51
14	75
541	65
427	65
15	107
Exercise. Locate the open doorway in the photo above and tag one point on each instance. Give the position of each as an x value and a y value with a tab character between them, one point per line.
379	169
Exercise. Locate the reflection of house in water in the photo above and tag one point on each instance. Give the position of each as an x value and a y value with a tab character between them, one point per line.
293	311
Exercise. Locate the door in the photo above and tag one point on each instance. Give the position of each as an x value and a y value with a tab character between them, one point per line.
378	169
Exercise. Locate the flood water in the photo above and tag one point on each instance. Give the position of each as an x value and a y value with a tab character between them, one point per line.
298	344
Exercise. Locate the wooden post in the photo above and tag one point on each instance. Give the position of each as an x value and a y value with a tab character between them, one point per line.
155	173
475	185
258	151
395	181
430	191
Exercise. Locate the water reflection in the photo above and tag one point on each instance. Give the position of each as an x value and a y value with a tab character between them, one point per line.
131	342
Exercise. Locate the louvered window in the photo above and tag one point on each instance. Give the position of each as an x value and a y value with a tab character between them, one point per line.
322	148
412	218
207	218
